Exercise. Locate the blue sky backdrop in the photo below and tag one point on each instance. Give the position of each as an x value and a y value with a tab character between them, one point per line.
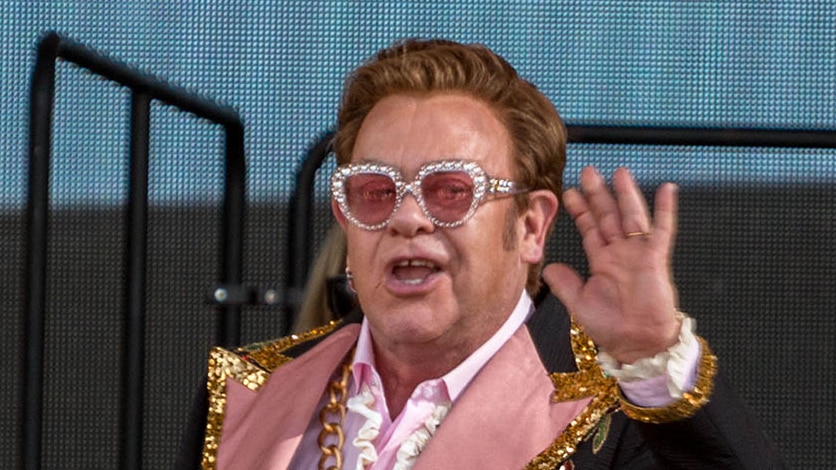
763	64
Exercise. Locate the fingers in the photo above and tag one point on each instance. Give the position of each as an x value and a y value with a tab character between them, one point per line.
631	203
577	207
602	204
665	214
604	216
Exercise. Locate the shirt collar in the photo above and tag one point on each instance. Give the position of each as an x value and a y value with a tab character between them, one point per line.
457	379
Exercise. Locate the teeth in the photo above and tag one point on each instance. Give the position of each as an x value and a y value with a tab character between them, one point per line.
424	269
416	263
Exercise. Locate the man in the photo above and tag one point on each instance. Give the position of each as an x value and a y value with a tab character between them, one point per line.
450	167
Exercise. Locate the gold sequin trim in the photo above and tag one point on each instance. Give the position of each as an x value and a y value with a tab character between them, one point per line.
269	355
250	366
225	364
690	402
589	381
586	352
569	386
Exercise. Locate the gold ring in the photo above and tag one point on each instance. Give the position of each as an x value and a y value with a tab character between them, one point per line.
637	234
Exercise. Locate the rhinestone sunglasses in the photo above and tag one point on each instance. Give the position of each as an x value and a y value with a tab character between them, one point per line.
448	192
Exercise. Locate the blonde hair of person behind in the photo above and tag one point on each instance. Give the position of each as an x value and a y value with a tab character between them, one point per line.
315	310
423	67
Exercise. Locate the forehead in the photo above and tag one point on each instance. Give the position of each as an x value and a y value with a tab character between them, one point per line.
409	131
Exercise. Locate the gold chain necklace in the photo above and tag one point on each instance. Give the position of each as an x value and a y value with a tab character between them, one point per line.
332	416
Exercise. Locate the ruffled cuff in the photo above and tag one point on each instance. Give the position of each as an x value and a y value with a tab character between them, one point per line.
688	404
661	379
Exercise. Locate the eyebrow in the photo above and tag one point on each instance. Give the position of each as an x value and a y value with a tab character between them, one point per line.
369	160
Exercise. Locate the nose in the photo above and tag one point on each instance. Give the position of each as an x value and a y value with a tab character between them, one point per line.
408	219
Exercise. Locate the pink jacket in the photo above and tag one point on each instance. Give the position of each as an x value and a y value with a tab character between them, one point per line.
261	404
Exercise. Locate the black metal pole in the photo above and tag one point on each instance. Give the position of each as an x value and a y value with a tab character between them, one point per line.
301	208
695	136
229	323
137	238
40	128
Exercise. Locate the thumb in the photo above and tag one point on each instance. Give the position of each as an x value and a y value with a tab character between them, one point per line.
564	282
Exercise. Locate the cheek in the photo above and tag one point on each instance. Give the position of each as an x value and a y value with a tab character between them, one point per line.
501	226
359	251
495	248
362	258
488	248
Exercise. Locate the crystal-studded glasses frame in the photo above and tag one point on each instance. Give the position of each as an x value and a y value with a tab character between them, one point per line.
485	188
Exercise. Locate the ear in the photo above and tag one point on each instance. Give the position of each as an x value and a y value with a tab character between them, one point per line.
536	221
338	214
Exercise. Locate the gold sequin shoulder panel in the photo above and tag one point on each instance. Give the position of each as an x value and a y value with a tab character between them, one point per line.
589	381
250	366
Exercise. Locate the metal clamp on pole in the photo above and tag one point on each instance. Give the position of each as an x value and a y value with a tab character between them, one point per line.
239	295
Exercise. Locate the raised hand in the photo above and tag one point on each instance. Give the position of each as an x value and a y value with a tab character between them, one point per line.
628	303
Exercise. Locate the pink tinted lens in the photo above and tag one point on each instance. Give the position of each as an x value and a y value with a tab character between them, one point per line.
448	195
370	197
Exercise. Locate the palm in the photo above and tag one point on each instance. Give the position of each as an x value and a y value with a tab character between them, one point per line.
627	304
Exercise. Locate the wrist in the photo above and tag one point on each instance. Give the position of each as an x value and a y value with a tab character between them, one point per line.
675	366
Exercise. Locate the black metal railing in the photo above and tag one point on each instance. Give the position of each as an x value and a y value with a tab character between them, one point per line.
145	88
300	248
702	136
301	210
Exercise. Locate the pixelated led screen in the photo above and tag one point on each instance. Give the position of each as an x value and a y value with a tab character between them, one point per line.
281	64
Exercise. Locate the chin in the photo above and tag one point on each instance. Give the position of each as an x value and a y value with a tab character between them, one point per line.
412	325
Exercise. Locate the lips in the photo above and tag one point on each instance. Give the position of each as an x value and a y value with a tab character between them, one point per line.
414	271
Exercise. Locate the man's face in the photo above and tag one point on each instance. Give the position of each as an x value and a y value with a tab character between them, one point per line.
419	284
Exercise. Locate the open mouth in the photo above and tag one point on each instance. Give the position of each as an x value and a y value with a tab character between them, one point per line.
414	271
